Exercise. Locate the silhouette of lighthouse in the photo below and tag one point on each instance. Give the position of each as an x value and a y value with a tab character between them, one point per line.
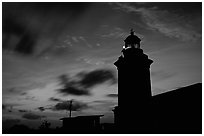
133	113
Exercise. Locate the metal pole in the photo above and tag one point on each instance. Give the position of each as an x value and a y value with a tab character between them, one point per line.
70	109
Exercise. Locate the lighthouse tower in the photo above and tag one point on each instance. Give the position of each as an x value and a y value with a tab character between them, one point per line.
133	112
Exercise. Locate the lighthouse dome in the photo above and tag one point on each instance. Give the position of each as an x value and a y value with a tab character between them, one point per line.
132	40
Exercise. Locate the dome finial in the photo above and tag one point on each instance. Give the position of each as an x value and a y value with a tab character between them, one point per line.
132	31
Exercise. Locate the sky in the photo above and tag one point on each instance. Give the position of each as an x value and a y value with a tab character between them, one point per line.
56	52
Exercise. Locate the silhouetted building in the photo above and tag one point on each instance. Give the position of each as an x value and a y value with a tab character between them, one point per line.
108	128
134	87
178	111
81	124
116	115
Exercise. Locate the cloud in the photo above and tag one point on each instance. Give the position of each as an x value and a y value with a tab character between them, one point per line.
64	105
22	110
23	93
115	32
73	90
15	91
96	77
16	37
171	24
13	121
75	39
103	105
3	107
10	106
112	95
85	41
41	109
12	90
70	87
32	116
7	123
55	99
161	75
91	60
83	81
21	89
76	106
72	40
32	98
28	32
64	79
100	101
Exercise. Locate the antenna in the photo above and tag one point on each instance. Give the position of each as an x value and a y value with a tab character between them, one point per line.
70	108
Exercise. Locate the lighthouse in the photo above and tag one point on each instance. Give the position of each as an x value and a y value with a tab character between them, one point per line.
133	113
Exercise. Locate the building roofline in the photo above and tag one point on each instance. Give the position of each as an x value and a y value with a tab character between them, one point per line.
85	116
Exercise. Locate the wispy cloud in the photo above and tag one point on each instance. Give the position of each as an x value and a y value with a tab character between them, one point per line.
103	105
91	60
32	116
22	110
61	105
72	40
75	39
92	78
115	32
161	75
41	108
10	122
112	95
55	99
83	81
3	107
76	106
164	21
74	90
10	105
85	41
